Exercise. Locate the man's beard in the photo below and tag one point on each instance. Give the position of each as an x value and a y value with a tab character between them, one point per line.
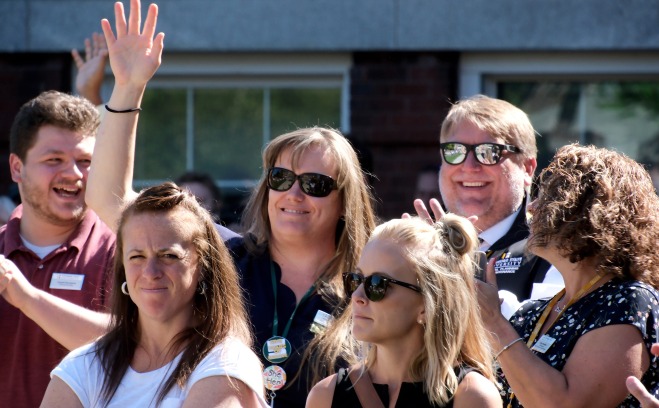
38	202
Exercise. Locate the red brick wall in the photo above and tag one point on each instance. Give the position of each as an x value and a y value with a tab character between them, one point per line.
398	102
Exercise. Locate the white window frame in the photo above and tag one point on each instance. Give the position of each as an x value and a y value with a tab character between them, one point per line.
250	70
479	72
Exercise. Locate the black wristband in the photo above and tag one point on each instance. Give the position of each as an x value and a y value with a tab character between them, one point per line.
109	109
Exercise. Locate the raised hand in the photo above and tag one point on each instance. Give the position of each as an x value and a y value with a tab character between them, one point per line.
488	295
423	212
91	68
436	208
135	54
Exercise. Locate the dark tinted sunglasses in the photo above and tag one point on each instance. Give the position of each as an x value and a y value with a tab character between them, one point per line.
313	184
488	154
375	286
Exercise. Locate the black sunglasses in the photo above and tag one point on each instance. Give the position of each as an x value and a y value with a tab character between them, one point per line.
375	286
488	154
312	184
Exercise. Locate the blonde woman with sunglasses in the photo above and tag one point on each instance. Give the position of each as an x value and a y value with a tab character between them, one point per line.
414	312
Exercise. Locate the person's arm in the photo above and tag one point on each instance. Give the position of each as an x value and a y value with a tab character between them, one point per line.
322	394
91	69
595	371
221	391
476	391
59	394
135	56
69	324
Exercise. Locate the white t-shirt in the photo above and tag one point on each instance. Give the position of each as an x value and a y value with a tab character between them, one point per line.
81	371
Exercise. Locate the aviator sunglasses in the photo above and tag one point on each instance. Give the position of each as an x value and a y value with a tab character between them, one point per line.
375	286
312	184
488	154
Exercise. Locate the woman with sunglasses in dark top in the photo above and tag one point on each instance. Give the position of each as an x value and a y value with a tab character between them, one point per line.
415	315
306	222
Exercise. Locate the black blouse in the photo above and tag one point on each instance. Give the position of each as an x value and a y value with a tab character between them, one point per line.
616	302
255	279
411	394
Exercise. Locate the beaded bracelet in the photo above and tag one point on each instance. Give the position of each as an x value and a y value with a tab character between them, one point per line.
508	346
109	109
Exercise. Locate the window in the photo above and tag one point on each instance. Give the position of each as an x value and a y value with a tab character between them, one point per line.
214	114
609	100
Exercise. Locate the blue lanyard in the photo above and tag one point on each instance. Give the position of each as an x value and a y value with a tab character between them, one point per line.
275	319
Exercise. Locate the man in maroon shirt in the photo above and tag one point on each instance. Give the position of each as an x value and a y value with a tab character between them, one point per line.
63	250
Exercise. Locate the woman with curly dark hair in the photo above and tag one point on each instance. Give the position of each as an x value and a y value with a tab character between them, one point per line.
596	219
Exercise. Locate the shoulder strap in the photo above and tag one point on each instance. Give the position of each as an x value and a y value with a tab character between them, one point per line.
364	389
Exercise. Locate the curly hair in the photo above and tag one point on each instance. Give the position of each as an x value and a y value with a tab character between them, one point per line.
595	203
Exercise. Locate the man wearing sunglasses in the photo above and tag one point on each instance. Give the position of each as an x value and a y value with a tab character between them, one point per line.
488	155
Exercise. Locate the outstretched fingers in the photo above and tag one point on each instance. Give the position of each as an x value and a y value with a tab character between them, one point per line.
134	18
119	20
422	211
437	209
150	22
100	48
110	39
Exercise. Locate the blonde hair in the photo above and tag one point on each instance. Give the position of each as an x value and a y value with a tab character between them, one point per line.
358	219
443	258
501	119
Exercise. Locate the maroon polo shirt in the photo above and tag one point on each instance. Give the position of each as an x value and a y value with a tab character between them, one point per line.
28	353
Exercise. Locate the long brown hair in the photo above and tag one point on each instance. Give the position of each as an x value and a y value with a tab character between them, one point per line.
352	230
358	220
219	310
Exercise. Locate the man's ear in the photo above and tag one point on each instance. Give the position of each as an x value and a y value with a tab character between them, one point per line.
530	165
15	167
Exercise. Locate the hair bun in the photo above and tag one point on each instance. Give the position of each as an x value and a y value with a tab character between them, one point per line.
457	240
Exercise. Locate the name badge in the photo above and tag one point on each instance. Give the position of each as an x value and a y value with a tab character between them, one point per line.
66	281
507	263
320	322
277	348
543	344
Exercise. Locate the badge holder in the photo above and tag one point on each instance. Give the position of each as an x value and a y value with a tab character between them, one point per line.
277	349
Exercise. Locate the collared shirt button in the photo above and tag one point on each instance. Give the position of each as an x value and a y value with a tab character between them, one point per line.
41	266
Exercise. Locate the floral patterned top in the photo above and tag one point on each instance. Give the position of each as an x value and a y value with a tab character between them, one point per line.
616	302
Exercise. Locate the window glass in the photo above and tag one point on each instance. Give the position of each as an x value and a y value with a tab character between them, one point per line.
623	115
222	131
297	108
161	135
228	132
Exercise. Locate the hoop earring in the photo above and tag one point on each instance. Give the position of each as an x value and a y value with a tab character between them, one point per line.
201	289
124	288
